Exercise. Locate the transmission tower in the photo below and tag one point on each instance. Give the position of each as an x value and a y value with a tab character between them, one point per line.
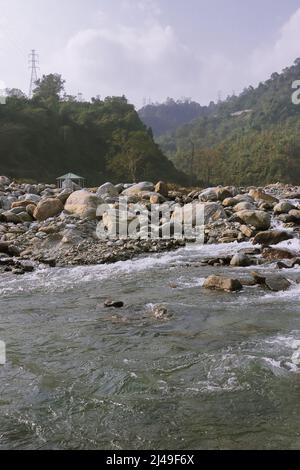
33	65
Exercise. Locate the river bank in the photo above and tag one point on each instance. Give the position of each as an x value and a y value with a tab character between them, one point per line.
44	225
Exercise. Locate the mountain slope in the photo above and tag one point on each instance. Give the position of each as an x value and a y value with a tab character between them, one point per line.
248	139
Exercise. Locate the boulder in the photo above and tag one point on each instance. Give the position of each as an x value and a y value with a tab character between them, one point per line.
258	219
240	260
272	237
136	189
247	231
295	214
47	208
223	283
283	207
225	192
107	190
276	254
274	282
162	188
10	217
196	213
64	195
259	195
83	204
209	195
244	206
4	181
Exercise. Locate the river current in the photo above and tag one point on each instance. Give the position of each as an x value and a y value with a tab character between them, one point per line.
217	374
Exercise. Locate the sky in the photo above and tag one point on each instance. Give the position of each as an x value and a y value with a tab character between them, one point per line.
149	50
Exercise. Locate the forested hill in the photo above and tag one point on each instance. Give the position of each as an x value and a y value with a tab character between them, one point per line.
168	116
52	134
253	138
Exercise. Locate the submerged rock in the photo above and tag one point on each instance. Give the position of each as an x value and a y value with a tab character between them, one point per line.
113	304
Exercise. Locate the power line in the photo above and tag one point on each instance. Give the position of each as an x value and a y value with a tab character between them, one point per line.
33	65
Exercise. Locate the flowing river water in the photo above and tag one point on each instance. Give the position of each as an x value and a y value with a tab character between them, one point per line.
218	374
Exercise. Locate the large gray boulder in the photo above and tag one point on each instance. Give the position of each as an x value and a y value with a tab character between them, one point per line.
83	204
4	181
283	207
107	190
259	219
199	213
136	189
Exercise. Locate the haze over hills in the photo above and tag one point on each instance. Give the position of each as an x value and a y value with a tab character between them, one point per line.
167	117
253	138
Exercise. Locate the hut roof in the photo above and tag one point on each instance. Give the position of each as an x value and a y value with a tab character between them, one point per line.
70	176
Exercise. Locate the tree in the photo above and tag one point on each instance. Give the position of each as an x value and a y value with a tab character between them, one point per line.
49	87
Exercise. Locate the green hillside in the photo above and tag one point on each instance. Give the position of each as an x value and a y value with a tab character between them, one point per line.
51	134
252	138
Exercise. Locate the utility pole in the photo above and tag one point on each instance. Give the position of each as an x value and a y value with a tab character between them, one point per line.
33	65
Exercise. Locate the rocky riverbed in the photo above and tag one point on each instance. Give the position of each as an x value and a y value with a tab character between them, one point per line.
41	224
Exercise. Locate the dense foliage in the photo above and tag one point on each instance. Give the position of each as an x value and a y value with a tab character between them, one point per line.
52	134
248	139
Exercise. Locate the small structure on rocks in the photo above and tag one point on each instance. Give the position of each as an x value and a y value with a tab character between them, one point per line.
69	179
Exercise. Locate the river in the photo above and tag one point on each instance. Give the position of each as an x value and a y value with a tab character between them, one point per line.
218	374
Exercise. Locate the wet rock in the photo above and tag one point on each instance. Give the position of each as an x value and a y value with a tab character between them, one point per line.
272	237
258	219
222	283
113	304
288	264
47	208
274	282
240	260
286	218
275	254
160	312
277	283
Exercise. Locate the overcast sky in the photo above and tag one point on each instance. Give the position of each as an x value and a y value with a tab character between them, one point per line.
149	48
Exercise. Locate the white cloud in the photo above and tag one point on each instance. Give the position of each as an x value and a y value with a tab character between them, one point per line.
273	58
133	51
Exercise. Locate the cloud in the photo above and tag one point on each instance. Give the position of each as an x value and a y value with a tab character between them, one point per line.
273	58
146	59
136	52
